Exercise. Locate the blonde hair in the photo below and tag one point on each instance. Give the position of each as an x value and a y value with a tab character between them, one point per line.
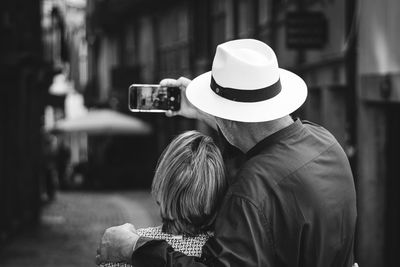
189	184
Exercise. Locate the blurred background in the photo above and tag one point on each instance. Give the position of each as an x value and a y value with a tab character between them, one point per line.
74	160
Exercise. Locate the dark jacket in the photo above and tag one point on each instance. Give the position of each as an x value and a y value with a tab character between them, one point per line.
292	204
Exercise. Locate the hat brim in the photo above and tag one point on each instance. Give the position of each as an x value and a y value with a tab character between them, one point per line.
291	97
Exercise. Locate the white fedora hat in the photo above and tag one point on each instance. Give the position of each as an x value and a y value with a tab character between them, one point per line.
246	84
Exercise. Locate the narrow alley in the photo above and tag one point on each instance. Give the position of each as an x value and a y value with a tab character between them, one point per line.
71	227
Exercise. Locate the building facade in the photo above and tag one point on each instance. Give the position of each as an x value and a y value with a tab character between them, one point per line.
24	79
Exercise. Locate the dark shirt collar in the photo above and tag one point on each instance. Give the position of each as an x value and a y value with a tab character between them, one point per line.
275	137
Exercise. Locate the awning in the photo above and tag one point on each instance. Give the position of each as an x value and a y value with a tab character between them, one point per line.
104	122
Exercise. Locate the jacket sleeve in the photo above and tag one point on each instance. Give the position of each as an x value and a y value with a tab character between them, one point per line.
241	239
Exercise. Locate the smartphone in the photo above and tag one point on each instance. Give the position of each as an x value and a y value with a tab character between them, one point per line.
153	98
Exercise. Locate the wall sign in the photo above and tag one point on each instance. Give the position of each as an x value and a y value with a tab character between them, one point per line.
306	30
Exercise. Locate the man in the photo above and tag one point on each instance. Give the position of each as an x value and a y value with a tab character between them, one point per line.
292	203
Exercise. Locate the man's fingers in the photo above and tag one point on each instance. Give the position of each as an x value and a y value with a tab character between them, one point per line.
117	244
183	81
169	83
100	257
130	227
170	113
98	261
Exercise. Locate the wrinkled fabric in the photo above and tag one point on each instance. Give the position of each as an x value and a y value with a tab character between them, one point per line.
292	203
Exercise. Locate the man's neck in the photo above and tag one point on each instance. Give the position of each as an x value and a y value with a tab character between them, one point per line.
250	134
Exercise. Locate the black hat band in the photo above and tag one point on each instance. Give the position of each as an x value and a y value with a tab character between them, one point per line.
240	95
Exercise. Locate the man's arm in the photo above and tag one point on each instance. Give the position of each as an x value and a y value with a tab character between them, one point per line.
241	239
160	253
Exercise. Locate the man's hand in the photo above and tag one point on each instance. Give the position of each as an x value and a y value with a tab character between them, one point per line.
117	244
187	109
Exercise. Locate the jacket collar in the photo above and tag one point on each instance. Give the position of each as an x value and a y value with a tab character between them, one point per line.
275	137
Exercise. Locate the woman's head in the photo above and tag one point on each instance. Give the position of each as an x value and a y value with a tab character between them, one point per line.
189	183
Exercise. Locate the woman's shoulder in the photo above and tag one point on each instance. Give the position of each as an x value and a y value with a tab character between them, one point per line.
152	232
189	245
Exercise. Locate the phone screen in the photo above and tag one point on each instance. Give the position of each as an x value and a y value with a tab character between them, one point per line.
153	98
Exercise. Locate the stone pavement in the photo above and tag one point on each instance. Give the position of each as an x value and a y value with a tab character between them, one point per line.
72	225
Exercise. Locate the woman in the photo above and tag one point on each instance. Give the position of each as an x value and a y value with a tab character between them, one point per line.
188	185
